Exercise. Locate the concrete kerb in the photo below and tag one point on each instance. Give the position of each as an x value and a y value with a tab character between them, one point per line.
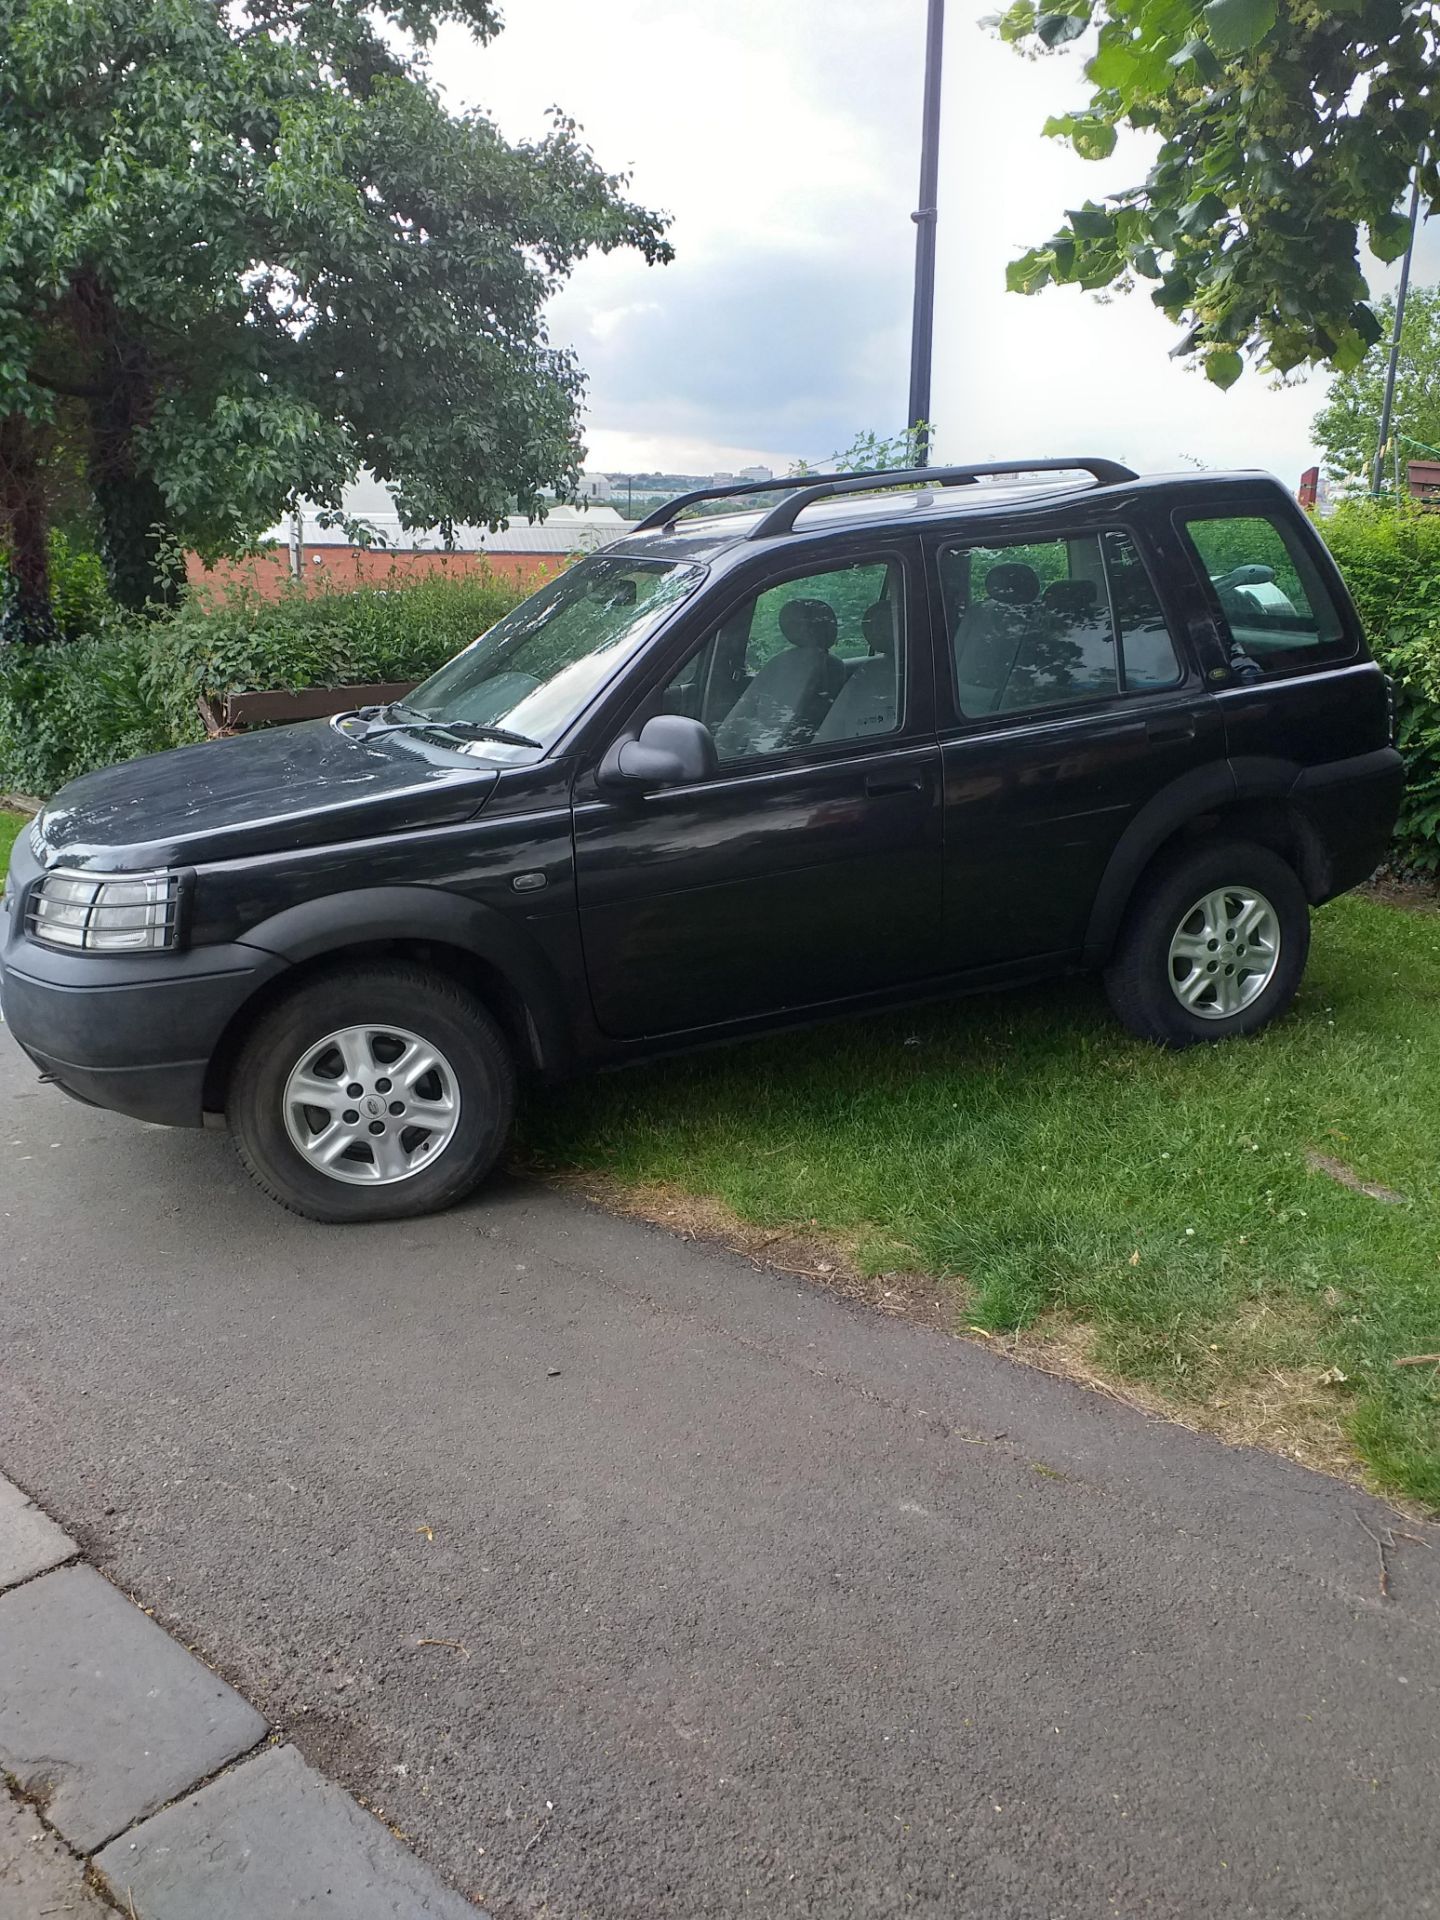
158	1786
30	1541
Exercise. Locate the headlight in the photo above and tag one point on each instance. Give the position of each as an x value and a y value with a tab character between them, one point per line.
133	913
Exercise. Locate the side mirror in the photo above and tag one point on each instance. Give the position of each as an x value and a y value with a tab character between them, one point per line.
670	751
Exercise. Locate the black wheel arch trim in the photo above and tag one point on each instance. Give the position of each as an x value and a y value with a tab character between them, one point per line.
1204	790
364	916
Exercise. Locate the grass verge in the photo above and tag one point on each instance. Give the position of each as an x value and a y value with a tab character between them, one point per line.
1188	1228
10	825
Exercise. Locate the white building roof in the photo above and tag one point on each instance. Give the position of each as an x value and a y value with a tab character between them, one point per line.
565	529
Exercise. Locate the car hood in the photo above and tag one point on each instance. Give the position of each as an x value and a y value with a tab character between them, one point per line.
296	786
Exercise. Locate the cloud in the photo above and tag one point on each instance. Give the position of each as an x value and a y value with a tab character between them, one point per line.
787	350
784	138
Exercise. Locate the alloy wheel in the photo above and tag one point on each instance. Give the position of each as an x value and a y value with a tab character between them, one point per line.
1224	952
371	1105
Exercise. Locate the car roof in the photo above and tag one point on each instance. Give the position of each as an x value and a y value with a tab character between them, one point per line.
718	534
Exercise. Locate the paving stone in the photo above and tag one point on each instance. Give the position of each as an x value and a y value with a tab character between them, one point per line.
103	1717
273	1837
37	1875
30	1541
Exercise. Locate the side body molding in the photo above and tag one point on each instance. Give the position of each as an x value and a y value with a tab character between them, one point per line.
498	942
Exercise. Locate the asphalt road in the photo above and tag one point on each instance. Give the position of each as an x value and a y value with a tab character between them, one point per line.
761	1605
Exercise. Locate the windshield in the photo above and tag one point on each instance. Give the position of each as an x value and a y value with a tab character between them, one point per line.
537	670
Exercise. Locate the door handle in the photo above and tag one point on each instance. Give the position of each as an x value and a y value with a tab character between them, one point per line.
1162	731
903	780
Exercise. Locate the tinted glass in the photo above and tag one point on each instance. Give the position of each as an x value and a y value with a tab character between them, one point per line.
1146	650
1033	623
1276	611
536	670
813	660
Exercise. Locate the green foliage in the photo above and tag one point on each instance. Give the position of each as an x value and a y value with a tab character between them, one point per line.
1347	427
66	709
1390	556
78	591
10	825
333	639
133	688
248	250
79	597
872	452
1281	133
875	452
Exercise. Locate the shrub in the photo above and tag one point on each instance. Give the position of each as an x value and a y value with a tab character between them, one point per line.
79	591
132	687
365	635
70	707
1390	556
79	596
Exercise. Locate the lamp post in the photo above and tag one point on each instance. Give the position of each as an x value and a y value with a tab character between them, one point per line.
1387	404
922	331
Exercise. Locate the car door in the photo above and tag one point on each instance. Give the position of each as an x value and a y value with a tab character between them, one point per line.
1066	702
807	868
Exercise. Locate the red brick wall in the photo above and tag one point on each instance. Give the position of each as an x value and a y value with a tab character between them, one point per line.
328	569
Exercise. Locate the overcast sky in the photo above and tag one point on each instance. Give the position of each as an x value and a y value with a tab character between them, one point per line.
783	137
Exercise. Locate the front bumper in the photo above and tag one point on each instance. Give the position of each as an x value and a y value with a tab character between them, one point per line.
133	1032
139	1045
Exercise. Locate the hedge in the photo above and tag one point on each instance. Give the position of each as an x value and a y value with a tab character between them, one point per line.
1390	556
132	688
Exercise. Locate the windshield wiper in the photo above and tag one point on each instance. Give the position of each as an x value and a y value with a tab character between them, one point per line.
463	729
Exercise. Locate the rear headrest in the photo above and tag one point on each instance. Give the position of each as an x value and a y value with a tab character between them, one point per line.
1072	597
809	623
878	626
1014	583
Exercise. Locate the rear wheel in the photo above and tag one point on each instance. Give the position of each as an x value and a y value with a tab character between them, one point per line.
372	1093
1215	944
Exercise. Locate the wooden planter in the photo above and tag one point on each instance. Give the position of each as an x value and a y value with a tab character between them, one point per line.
243	710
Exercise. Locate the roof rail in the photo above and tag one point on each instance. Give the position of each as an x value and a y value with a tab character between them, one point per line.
667	514
782	516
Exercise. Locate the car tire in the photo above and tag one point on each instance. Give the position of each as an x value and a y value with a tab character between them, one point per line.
1214	944
324	1129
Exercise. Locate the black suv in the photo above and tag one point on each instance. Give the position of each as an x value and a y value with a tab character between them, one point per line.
882	737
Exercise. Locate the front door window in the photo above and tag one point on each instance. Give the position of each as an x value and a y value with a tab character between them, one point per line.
815	660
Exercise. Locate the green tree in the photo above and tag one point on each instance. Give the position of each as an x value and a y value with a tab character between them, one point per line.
1347	427
245	251
1284	127
872	452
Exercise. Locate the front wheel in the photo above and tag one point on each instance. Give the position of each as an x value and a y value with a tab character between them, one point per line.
1214	944
373	1092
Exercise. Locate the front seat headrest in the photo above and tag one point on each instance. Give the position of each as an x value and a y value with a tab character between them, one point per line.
809	623
1073	597
1014	583
878	626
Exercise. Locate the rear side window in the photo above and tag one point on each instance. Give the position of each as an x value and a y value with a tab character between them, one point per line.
1275	611
1047	623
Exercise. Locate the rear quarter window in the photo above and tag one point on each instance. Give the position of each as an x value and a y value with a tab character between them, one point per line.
1274	608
